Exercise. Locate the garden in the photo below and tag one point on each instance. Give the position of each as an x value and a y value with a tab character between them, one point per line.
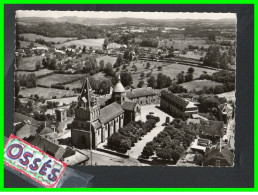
130	134
171	143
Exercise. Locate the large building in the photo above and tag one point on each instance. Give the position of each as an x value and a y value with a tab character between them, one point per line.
177	106
93	125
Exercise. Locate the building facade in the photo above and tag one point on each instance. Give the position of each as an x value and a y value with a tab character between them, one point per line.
177	106
143	96
93	125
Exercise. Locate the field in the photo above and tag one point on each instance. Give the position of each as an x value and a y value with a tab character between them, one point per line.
46	93
25	44
37	73
57	78
182	44
32	37
229	95
76	84
193	55
199	84
106	59
169	69
94	43
28	63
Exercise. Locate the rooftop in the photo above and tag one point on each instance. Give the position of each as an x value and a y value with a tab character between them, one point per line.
140	92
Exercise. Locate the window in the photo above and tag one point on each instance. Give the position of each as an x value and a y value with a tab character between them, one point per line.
218	163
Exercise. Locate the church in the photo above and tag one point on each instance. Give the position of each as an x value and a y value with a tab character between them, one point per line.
93	125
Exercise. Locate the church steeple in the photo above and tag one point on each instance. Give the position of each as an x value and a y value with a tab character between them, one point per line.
87	97
118	92
87	108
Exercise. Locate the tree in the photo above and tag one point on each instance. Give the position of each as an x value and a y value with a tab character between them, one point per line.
142	75
198	158
52	65
148	65
188	77
180	78
135	68
101	65
109	69
163	81
212	57
140	84
190	70
152	82
164	153
119	59
171	52
126	78
175	88
105	44
84	49
224	61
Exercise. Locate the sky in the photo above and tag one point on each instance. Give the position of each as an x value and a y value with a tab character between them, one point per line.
147	15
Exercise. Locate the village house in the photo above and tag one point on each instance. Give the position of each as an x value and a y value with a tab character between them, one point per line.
177	106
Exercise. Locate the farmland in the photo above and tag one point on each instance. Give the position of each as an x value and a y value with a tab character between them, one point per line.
32	37
25	44
37	73
94	43
46	93
169	69
199	84
183	44
28	63
55	79
106	59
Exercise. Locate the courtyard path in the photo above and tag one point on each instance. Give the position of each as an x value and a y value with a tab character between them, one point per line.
136	151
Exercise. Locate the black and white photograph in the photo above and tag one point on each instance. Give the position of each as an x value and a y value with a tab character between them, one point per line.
96	88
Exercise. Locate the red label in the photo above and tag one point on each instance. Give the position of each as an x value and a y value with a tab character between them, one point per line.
33	162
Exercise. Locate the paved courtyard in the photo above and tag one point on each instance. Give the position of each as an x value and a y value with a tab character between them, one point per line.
136	151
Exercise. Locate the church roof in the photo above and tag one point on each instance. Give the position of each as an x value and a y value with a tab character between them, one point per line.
140	92
109	112
129	105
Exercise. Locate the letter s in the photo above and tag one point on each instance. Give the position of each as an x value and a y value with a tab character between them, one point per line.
54	177
35	167
26	155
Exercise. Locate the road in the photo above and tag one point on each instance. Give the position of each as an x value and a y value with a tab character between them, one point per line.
136	151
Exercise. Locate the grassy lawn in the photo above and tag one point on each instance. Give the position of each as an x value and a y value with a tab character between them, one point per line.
57	78
28	63
76	84
37	73
46	93
32	37
199	84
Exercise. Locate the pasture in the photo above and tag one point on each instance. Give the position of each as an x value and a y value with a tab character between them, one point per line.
26	44
94	43
37	73
169	69
182	44
46	93
230	96
199	84
28	63
32	37
57	78
106	59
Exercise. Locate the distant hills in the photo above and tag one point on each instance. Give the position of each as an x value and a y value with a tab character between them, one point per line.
125	21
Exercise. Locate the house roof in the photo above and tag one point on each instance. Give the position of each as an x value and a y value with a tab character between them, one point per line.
140	92
48	147
212	128
110	112
129	105
174	98
26	131
224	153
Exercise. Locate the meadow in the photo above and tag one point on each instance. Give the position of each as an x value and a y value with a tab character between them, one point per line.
197	85
28	63
32	37
46	93
55	79
37	73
